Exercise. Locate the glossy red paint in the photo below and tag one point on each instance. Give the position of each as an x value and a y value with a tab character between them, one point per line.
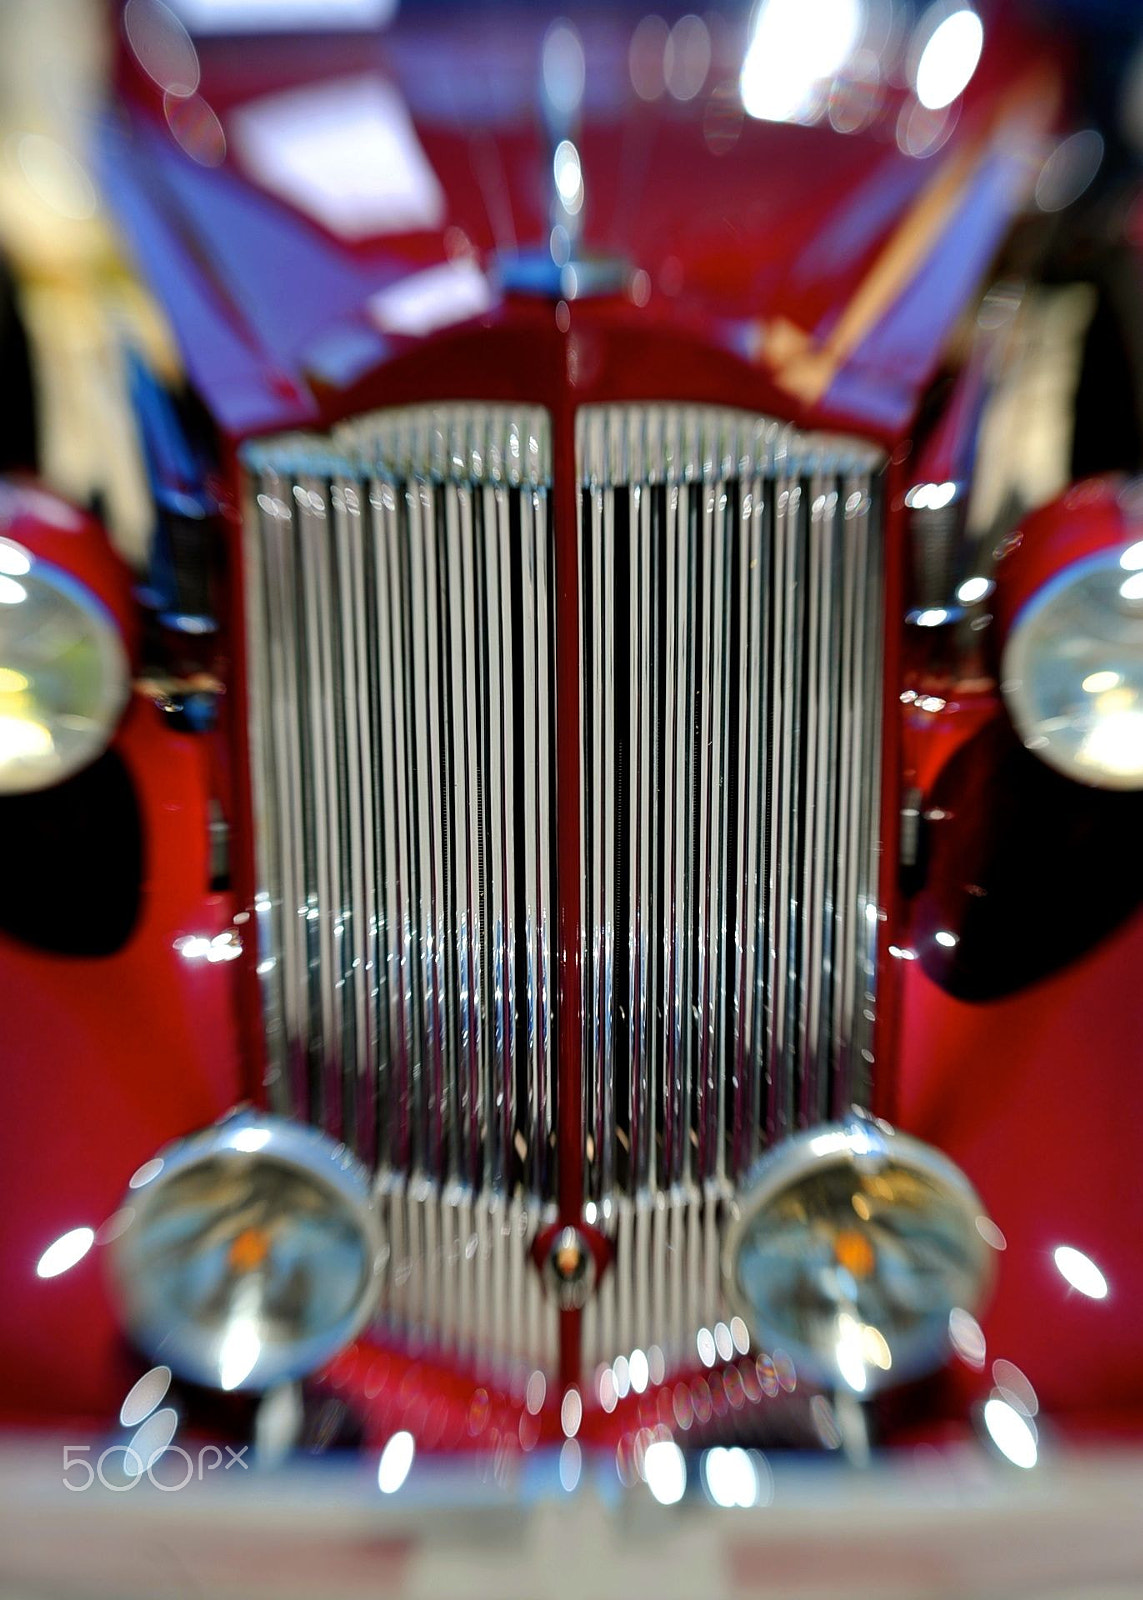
1034	1095
1032	1091
105	1061
1091	517
831	266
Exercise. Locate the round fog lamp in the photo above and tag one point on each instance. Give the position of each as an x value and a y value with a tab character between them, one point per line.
1072	672
850	1248
64	677
250	1255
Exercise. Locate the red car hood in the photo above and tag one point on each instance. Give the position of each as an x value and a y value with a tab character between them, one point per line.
321	205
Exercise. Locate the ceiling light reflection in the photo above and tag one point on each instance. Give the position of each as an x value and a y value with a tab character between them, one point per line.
686	57
795	47
665	1469
64	1252
1101	682
15	560
1080	1271
949	59
238	1355
731	1477
396	1461
1012	1434
343	151
436	298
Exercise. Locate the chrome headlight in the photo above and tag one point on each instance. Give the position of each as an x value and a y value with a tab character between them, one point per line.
249	1254
64	677
851	1247
1072	670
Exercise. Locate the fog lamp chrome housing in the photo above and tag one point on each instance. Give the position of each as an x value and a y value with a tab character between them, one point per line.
850	1247
1072	670
249	1254
64	676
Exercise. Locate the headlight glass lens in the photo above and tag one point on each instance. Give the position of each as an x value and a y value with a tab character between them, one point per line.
63	673
1072	673
851	1251
250	1255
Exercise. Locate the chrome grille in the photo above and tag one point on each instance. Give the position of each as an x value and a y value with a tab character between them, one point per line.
401	633
400	612
730	656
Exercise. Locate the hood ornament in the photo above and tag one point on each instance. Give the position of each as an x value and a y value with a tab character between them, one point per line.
559	269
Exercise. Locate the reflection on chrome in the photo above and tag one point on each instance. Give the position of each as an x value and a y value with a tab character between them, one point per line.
14	559
665	1469
396	1462
732	1478
241	1344
64	1252
568	176
1013	1434
226	946
930	496
967	1338
1080	1271
252	1254
855	1246
974	589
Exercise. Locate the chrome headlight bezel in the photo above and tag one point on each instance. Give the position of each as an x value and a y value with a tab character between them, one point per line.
195	1351
1038	639
43	580
861	1145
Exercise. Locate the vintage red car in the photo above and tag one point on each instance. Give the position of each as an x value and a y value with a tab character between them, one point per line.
588	896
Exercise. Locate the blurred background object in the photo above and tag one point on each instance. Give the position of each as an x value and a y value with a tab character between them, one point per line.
65	294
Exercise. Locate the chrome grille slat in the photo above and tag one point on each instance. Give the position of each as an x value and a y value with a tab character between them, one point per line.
729	607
